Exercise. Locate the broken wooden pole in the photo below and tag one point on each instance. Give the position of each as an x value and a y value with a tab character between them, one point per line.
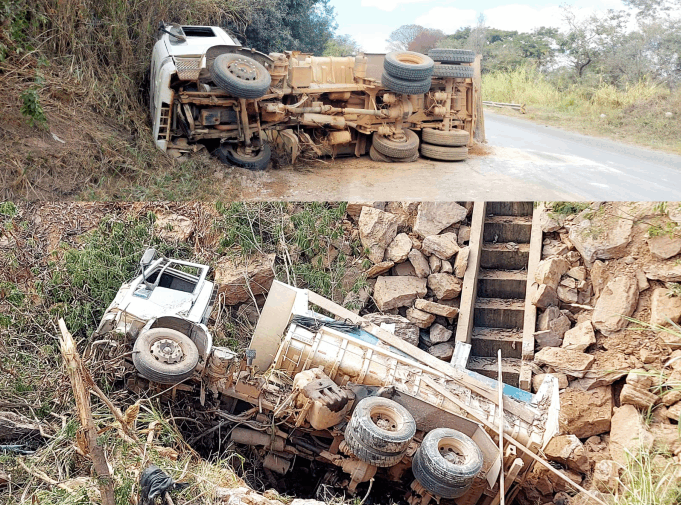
87	435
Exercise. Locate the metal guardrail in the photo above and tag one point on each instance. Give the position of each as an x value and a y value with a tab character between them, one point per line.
514	106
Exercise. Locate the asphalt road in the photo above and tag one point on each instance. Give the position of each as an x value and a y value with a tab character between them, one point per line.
591	167
525	161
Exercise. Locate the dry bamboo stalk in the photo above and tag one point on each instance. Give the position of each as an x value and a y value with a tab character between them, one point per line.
88	431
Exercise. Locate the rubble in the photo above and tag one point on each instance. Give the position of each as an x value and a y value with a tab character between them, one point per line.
538	379
399	248
420	318
568	451
665	272
549	271
173	227
391	292
461	262
433	217
420	263
379	269
605	477
445	286
403	328
238	280
572	363
586	413
580	337
439	334
638	397
611	241
628	433
377	229
446	267
443	246
617	301
663	247
435	264
552	325
664	307
436	308
544	296
443	351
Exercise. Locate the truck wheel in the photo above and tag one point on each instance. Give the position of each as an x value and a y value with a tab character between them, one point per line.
256	160
444	153
379	431
408	65
404	147
446	463
404	86
452	55
165	356
458	71
240	76
444	138
376	156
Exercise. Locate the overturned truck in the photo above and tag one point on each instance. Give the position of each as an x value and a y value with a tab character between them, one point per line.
208	90
338	390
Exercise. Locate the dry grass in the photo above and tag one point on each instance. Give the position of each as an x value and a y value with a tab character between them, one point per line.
82	66
634	114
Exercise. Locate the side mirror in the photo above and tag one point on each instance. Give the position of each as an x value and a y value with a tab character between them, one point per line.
147	258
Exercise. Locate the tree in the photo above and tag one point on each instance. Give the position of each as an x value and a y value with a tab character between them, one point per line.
280	25
478	36
400	39
342	45
426	40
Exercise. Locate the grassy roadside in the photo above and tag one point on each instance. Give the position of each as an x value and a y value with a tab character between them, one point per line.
636	115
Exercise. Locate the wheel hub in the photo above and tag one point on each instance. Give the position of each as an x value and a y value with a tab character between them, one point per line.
167	351
243	69
399	137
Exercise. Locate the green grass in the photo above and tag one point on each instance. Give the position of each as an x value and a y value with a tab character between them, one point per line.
567	208
649	479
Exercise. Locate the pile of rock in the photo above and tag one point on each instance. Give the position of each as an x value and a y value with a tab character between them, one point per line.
419	255
598	268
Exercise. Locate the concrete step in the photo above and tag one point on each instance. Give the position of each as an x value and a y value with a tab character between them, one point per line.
487	341
501	256
510	368
502	283
508	229
510	208
499	313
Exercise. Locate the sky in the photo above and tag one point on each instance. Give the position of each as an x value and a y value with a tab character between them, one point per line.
370	22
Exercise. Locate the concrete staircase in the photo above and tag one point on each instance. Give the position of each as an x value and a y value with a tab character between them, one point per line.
499	307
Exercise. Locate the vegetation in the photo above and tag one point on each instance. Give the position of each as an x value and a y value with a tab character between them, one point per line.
649	478
616	73
77	69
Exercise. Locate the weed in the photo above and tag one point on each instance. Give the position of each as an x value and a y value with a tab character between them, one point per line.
660	230
660	207
8	209
568	208
674	289
31	108
649	478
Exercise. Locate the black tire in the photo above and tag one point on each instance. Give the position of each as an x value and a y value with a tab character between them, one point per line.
376	156
231	155
452	55
382	445
434	469
240	76
404	86
396	149
445	138
457	71
152	367
444	153
408	65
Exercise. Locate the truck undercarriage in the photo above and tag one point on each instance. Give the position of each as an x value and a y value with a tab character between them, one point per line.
240	102
338	399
